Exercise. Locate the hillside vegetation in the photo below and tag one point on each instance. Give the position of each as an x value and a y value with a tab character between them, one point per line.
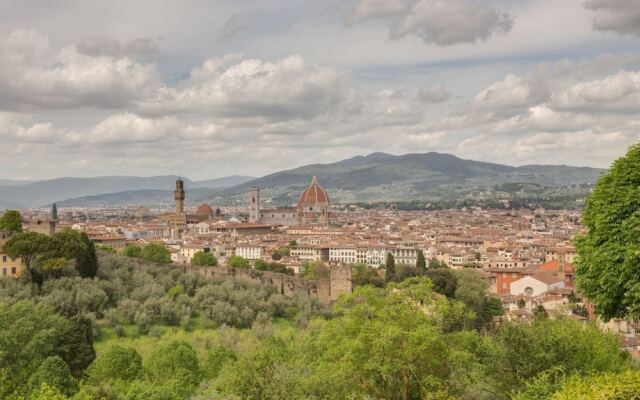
149	332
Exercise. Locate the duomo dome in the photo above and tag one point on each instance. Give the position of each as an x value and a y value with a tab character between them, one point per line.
313	196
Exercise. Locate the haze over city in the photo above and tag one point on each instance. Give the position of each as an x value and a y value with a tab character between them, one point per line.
214	88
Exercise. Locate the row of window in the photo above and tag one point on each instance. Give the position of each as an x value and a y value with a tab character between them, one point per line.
4	271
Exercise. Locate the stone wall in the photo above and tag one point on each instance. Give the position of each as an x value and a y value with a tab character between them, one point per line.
326	291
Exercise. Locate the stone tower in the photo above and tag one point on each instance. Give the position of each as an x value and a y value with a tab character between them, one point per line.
254	205
179	219
179	197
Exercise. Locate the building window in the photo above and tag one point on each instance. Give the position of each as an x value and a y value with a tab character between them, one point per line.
528	291
4	258
13	270
4	272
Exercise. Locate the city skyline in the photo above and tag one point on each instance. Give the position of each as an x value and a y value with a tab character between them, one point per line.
256	87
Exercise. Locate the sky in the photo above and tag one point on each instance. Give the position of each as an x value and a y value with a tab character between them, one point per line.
208	89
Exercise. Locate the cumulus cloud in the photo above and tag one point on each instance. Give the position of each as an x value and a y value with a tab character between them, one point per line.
231	87
97	46
511	92
617	93
436	22
34	75
18	128
620	16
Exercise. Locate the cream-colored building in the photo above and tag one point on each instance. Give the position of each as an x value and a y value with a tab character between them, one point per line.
250	251
10	267
536	285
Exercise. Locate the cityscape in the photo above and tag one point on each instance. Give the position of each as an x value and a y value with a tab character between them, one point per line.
359	199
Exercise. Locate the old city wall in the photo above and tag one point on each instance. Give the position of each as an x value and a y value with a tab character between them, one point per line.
326	291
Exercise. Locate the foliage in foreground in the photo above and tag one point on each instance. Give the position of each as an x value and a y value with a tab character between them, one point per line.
609	254
404	341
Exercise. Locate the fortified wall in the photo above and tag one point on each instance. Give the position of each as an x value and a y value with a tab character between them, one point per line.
326	291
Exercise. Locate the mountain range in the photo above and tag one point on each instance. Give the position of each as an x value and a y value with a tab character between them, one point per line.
100	190
375	177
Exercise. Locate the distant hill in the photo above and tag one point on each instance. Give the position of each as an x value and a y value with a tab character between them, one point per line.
224	182
143	197
386	177
39	193
376	177
10	182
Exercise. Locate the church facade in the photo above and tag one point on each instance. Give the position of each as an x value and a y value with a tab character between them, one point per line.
312	208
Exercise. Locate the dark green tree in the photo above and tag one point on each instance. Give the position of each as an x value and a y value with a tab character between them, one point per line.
570	346
80	353
238	262
204	259
176	362
261	265
421	263
74	245
29	246
117	363
389	268
607	271
53	371
11	222
29	334
362	274
132	250
156	252
276	256
435	263
444	281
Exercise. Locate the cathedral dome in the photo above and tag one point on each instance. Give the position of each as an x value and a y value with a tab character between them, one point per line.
313	195
204	209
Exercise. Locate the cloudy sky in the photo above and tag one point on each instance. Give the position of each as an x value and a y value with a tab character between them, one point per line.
212	88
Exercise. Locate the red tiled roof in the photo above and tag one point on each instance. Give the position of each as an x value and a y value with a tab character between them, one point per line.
313	195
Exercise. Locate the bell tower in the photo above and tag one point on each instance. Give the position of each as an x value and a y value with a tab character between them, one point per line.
179	197
254	204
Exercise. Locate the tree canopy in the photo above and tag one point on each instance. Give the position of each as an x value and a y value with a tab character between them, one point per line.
238	262
11	222
155	252
204	259
607	269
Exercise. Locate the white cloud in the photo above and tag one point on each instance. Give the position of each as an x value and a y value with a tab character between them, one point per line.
19	128
511	92
34	75
620	16
283	89
619	93
437	22
126	128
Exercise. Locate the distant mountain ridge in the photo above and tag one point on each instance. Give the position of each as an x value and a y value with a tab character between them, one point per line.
375	177
386	177
39	193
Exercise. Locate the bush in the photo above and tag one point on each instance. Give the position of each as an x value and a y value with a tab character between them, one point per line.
175	362
238	262
117	363
201	258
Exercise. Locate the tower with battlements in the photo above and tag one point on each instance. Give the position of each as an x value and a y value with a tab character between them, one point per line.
254	204
179	219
